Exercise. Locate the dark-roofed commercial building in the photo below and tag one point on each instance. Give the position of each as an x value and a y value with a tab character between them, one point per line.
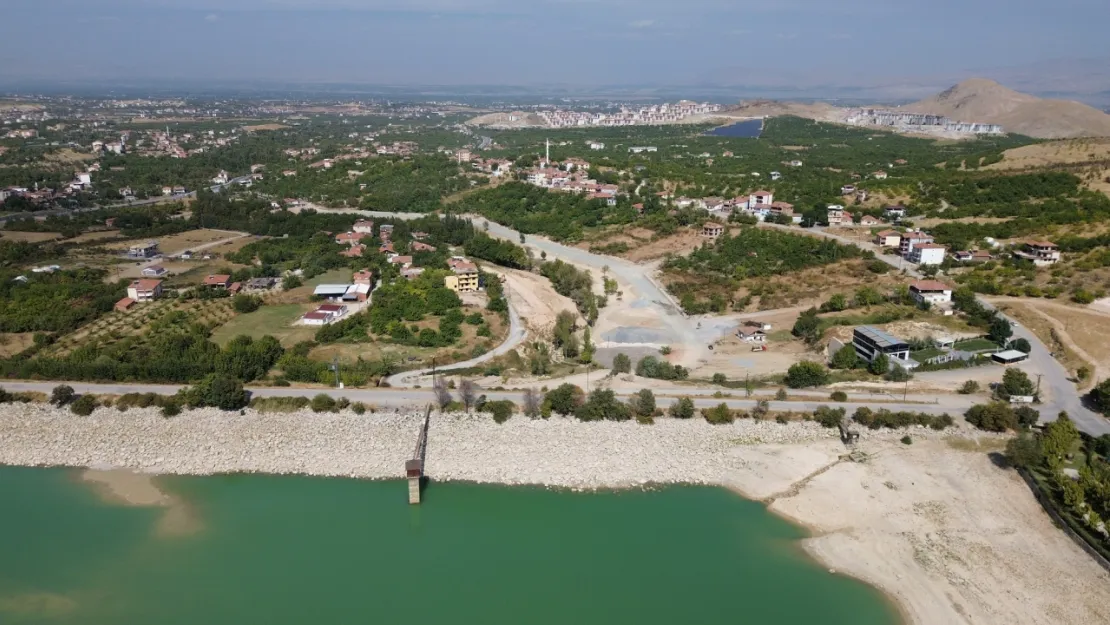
870	342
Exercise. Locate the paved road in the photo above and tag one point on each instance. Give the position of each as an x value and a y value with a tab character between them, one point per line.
422	396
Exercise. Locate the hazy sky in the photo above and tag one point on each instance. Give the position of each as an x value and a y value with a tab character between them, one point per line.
533	42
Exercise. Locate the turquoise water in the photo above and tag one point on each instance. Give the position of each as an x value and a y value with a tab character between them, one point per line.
296	550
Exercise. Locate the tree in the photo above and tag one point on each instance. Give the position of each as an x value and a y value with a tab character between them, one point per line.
62	395
1000	330
836	303
217	391
806	374
622	363
880	365
443	394
564	399
245	303
683	408
808	327
468	390
761	408
291	282
1015	382
869	296
643	403
83	406
719	378
1058	439
1023	451
845	358
531	402
1027	416
1100	396
603	404
993	417
898	373
1021	345
587	355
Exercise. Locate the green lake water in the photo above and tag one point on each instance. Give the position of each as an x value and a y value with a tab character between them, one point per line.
273	550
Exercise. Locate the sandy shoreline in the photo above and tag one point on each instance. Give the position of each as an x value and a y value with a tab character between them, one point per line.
935	525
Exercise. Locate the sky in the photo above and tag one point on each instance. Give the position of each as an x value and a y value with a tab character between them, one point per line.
536	43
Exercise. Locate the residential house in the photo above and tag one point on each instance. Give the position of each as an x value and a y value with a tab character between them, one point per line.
144	290
417	246
261	284
219	281
783	210
927	254
154	271
404	261
143	250
349	238
879	175
760	199
334	292
837	216
221	178
465	278
124	304
385	231
931	292
775	175
386	248
888	238
894	213
912	239
324	315
1041	253
712	229
795	163
420	236
355	251
234	287
597	145
363	226
848	189
751	334
409	273
869	221
363	276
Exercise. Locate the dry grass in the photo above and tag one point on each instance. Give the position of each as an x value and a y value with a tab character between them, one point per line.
1050	153
29	237
67	156
1043	326
14	342
176	243
258	127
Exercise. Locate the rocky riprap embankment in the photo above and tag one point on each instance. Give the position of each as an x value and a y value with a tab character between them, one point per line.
557	452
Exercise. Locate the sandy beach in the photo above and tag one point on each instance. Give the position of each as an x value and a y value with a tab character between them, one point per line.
948	535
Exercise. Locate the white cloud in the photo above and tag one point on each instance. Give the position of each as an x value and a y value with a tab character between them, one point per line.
211	17
642	23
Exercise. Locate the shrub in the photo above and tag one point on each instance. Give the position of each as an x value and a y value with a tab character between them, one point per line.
1021	345
780	395
829	417
839	396
342	403
683	408
501	409
218	391
1024	450
279	404
62	395
898	374
323	402
993	417
358	408
665	350
718	414
643	403
83	406
171	409
845	358
969	387
906	440
806	374
880	365
719	378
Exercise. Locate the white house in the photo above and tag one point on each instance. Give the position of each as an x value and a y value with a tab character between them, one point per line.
927	254
931	291
1041	253
760	199
750	334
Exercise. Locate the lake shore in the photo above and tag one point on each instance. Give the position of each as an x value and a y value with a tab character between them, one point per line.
949	536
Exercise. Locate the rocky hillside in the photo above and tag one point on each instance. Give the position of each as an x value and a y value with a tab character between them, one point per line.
982	100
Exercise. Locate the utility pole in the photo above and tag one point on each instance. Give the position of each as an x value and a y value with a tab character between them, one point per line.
1038	393
906	390
587	378
433	371
335	367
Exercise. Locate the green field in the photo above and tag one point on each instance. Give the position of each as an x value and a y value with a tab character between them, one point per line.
976	345
277	321
335	276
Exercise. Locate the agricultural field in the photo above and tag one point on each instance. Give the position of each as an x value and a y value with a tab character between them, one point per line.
1080	337
190	240
278	321
28	237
